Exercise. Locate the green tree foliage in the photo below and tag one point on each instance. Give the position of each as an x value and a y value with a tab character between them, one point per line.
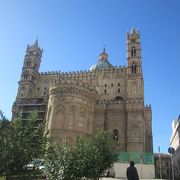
59	161
4	123
21	141
87	158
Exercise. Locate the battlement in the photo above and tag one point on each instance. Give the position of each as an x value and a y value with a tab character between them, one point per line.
50	73
121	69
147	108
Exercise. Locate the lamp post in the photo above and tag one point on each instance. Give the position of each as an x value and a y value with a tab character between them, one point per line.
171	151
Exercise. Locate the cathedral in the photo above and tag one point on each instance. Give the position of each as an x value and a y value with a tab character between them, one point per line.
77	103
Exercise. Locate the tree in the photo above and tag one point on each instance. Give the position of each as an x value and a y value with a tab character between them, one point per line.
59	161
4	123
21	141
87	158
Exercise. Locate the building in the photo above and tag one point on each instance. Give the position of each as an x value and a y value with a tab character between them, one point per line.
77	103
162	163
175	143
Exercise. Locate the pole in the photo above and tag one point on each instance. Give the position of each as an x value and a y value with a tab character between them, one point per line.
172	167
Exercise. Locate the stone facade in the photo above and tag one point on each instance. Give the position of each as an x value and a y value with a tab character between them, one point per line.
175	143
77	103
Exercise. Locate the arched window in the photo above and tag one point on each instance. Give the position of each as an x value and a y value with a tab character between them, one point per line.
25	77
28	63
133	68
133	52
118	98
115	134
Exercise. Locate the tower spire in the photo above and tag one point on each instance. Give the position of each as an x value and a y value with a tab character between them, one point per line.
36	42
133	30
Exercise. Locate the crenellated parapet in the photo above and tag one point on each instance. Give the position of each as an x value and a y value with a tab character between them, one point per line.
147	108
148	113
50	73
121	69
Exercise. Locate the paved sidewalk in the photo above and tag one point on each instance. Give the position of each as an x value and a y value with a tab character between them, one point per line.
124	179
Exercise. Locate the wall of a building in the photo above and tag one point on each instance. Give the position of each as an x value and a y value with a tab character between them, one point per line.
145	171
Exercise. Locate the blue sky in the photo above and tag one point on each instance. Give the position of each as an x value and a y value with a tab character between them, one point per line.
72	34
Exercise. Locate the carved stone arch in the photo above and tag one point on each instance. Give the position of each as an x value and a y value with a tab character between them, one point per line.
71	113
81	119
59	107
118	98
58	119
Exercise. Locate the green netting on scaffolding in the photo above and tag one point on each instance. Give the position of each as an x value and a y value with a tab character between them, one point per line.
144	158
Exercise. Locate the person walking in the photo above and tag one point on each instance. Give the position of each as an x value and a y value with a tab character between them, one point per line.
131	172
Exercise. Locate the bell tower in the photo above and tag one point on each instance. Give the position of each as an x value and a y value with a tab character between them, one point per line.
30	71
135	94
133	52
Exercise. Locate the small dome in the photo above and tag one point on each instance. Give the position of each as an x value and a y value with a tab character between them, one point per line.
103	62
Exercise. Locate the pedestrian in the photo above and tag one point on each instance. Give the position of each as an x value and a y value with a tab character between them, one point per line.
131	172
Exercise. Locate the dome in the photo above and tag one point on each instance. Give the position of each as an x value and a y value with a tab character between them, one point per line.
103	62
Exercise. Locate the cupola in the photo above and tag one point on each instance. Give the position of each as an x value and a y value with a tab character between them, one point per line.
103	62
